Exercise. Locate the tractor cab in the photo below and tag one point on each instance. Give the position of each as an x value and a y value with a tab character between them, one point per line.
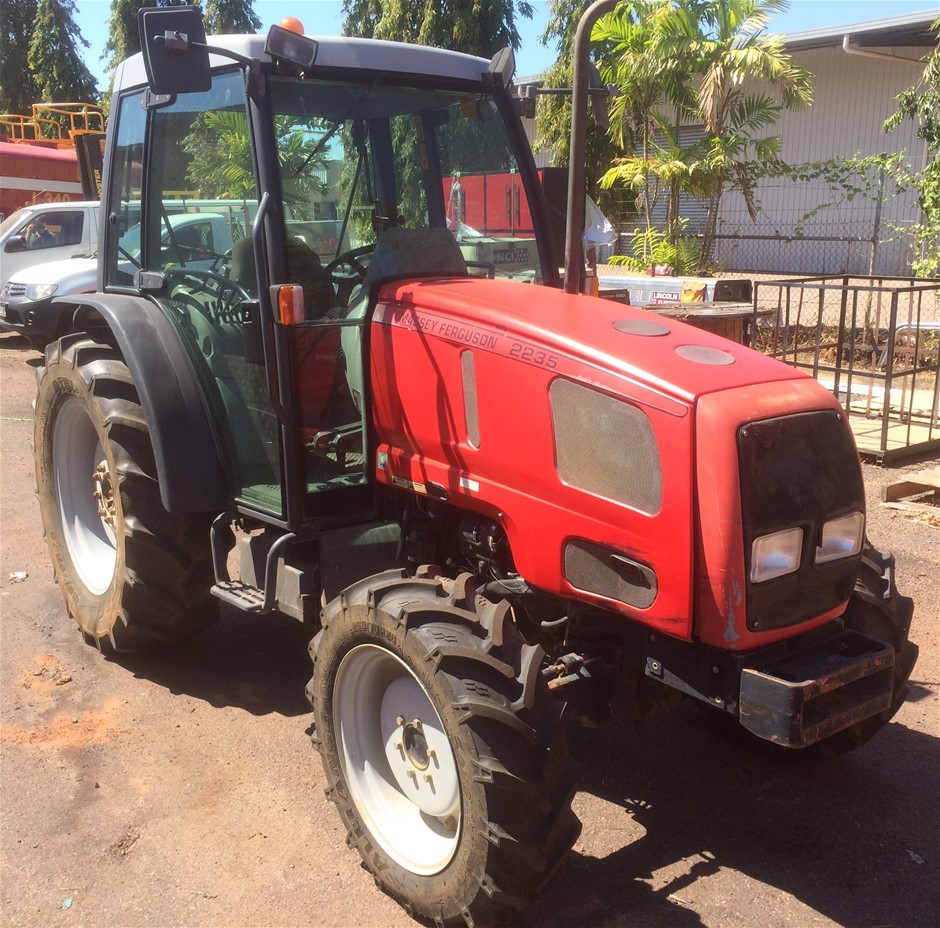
340	176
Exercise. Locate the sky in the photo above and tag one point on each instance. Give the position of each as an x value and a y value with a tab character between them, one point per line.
324	17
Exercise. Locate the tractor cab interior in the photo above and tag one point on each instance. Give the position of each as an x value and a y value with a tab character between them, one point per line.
381	182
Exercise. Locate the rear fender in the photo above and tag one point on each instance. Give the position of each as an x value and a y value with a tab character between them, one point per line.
189	466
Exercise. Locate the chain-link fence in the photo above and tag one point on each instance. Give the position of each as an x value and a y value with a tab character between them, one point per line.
802	227
812	227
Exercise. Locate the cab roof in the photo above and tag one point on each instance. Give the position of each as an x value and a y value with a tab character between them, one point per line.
339	53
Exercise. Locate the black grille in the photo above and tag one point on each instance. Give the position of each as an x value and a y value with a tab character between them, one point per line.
599	570
798	471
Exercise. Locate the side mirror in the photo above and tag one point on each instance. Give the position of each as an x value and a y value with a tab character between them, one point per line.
499	72
16	243
599	93
173	43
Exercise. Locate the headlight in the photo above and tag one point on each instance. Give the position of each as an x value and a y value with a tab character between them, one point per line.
841	537
40	291
776	554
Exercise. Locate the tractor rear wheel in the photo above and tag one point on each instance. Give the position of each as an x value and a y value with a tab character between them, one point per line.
134	575
442	746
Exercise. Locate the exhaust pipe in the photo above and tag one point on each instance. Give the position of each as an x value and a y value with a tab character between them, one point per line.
574	230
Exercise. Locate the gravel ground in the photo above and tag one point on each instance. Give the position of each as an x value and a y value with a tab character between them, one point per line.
181	789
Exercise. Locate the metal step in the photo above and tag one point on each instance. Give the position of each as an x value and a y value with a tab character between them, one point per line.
240	595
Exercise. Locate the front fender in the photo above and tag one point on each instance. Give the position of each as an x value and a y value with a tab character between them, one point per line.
189	465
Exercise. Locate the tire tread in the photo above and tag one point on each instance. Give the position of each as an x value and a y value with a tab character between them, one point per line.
161	592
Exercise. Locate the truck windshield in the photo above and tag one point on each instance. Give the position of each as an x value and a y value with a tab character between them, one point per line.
358	158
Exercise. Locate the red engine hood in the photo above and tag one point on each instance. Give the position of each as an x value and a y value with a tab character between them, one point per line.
588	329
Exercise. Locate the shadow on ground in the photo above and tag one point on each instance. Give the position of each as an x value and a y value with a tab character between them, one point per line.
856	838
256	663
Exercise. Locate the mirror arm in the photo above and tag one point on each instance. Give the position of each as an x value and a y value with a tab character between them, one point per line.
179	42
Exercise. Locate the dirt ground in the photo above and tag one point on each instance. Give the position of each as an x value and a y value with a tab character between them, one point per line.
181	789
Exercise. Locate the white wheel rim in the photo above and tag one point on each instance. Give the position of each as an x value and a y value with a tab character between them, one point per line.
396	759
76	452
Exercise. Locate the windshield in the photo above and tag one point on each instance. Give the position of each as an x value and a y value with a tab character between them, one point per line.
10	222
360	158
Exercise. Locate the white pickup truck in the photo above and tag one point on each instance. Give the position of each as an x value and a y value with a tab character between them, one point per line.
28	298
47	232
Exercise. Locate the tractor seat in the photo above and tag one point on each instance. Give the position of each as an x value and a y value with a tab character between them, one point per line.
303	267
402	252
398	253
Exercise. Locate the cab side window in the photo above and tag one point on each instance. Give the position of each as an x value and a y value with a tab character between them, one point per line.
122	221
201	199
38	234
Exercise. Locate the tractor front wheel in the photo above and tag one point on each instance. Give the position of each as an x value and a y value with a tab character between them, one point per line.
442	746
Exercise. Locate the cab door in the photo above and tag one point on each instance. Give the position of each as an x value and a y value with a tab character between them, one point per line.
196	154
327	243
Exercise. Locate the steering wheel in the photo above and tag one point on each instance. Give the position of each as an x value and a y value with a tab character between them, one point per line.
346	282
350	259
226	293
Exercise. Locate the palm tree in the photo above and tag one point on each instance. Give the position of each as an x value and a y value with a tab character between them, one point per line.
630	58
665	167
736	58
684	62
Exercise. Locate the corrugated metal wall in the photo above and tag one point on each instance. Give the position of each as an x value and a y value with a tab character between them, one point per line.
853	97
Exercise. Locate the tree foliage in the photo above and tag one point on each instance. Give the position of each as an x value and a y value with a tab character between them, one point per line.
554	112
707	62
921	103
54	58
231	17
18	86
477	27
41	55
631	57
222	167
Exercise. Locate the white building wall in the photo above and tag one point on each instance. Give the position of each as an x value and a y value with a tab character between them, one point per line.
853	96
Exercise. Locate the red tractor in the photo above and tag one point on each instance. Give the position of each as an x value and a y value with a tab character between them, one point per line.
502	505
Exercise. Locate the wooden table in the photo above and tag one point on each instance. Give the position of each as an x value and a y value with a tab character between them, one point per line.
730	320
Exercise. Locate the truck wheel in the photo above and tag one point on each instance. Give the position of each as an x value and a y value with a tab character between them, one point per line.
134	576
442	746
878	610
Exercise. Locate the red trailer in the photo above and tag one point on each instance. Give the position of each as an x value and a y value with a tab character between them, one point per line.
34	173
